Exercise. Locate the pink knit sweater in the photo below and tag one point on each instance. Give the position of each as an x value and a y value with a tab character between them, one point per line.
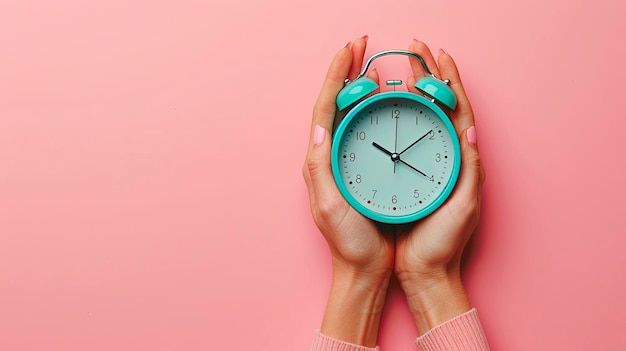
463	333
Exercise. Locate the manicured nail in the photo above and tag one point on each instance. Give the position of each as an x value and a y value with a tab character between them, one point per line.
319	135
416	40
371	72
348	44
471	135
442	51
366	37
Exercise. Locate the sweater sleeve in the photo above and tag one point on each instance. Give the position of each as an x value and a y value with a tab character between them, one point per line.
322	342
462	333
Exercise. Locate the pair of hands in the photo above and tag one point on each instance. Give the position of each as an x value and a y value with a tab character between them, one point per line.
425	256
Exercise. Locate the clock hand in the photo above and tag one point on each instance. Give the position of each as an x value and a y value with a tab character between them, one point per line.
416	141
382	148
395	148
396	157
413	168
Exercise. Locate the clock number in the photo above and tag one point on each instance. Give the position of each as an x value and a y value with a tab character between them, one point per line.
358	178
395	114
394	199
432	178
360	136
374	193
438	157
373	119
417	119
416	193
432	135
352	157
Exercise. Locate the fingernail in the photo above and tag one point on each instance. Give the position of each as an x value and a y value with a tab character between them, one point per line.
416	40
442	51
319	135
371	72
348	44
366	37
471	135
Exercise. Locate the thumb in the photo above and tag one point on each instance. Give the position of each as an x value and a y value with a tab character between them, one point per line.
324	195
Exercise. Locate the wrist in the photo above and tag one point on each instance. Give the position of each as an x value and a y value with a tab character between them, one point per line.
434	299
355	305
371	274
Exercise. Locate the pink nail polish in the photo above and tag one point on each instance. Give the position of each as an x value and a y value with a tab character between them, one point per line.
348	44
442	51
366	37
471	135
319	135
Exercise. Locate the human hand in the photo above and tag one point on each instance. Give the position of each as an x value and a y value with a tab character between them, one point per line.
428	252
362	253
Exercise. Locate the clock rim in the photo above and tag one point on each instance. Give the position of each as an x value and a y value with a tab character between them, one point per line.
441	197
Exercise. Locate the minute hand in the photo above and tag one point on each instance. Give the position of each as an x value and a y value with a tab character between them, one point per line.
416	141
415	169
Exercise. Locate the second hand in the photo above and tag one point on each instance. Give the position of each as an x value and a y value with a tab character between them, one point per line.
395	148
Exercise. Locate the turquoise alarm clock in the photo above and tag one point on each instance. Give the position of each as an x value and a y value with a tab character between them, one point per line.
395	155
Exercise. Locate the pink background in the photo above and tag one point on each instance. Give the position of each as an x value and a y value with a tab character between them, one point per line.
151	195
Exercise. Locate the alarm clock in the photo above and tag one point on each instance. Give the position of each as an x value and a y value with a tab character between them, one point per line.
395	155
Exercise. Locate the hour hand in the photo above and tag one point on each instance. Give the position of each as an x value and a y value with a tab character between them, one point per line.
382	148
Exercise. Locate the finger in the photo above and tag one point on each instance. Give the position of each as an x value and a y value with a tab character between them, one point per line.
462	116
373	75
323	116
358	51
423	51
410	85
325	107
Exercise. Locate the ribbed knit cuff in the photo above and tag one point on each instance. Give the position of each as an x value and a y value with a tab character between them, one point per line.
322	342
463	333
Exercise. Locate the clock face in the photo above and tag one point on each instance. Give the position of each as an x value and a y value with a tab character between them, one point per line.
395	157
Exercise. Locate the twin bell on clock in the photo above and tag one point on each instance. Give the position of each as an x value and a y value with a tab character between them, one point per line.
395	155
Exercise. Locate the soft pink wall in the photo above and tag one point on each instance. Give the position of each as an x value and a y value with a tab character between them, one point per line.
150	151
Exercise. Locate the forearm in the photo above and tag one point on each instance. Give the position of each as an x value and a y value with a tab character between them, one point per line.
354	306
